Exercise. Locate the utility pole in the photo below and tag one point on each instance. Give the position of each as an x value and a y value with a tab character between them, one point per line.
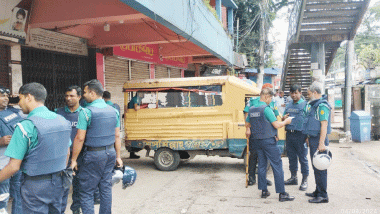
237	36
348	84
260	73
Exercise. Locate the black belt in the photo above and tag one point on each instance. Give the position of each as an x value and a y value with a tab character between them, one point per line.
101	148
293	131
40	177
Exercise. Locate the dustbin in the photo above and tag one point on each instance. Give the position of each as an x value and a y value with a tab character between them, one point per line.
360	123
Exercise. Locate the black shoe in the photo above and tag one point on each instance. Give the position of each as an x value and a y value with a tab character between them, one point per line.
303	186
132	155
291	181
285	197
269	183
319	200
77	211
312	194
265	194
97	201
251	181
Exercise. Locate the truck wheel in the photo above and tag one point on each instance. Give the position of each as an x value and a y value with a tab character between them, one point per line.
166	159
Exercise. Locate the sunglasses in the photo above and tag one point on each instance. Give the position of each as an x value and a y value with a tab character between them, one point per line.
4	90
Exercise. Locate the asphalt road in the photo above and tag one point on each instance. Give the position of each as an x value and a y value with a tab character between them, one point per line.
217	185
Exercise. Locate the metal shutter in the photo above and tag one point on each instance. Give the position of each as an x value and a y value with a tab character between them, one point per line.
161	72
140	70
116	74
4	65
175	73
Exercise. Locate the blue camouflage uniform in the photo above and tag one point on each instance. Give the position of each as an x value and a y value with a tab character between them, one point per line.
263	135
316	111
99	155
296	146
41	141
8	120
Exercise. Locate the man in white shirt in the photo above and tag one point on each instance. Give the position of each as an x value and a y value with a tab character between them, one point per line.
280	102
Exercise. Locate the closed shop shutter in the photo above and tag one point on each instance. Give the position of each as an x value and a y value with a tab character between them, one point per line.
4	65
140	70
175	73
56	71
161	72
116	74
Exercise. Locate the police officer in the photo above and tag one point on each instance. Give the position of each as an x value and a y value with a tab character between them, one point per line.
253	158
262	128
296	146
99	133
70	112
39	146
317	125
107	99
134	104
9	117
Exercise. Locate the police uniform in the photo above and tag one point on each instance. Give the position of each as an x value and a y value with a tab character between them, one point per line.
9	117
115	105
99	156
296	146
263	136
315	112
72	117
41	141
253	158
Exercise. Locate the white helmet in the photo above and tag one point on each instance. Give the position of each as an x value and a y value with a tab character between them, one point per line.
322	161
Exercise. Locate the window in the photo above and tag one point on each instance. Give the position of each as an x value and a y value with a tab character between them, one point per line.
193	96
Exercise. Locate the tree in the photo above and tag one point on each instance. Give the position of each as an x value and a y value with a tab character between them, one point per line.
256	17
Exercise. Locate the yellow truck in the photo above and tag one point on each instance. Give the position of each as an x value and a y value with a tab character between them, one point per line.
183	117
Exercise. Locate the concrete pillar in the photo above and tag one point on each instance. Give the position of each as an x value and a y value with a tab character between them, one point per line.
218	8
230	17
348	84
318	58
16	69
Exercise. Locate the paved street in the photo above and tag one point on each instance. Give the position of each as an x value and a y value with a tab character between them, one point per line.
216	185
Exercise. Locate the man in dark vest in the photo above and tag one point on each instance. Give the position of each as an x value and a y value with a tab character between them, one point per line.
9	117
99	134
107	99
317	126
296	146
70	112
262	128
40	147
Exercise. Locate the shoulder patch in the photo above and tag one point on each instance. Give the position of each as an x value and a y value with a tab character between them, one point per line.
322	112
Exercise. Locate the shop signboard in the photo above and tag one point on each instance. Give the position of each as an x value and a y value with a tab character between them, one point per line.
148	53
53	41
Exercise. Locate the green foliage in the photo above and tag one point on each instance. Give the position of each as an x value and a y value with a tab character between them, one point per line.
249	13
367	46
369	56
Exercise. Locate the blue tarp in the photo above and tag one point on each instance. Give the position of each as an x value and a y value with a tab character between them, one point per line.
271	71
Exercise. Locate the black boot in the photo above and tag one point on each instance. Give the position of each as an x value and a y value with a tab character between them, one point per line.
292	180
303	186
132	155
251	180
285	197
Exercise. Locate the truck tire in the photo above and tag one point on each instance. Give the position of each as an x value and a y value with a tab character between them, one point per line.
166	159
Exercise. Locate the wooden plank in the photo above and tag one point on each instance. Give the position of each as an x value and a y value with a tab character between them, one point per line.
333	4
331	13
328	19
324	32
347	25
